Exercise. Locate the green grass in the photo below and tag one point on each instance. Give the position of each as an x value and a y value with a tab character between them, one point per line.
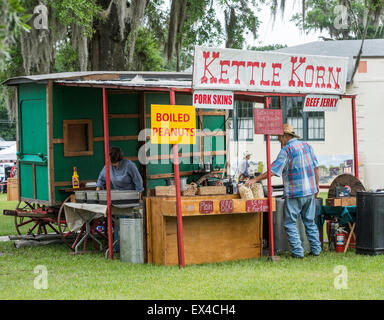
91	276
7	223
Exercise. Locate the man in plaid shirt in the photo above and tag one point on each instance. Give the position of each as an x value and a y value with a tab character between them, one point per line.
297	164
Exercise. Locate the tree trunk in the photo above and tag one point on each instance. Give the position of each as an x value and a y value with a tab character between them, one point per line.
230	17
108	42
176	24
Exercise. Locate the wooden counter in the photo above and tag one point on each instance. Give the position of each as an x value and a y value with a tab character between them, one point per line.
215	229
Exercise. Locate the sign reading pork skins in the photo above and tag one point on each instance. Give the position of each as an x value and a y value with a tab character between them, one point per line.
173	124
321	103
213	99
268	121
242	70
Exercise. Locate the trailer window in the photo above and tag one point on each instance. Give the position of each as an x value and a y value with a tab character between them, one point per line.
308	125
241	121
78	138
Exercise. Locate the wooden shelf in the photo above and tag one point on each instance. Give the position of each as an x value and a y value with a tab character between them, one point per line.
208	238
190	206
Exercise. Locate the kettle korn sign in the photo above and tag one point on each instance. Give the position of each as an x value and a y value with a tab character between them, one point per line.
241	70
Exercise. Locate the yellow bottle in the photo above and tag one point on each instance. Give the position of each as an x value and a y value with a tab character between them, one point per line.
75	179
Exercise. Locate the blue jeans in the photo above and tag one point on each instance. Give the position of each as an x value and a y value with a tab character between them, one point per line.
306	207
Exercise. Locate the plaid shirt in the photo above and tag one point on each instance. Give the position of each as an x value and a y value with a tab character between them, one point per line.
296	162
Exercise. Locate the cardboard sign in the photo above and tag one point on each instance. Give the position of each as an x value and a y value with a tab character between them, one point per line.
268	121
248	70
260	205
226	206
213	99
321	103
171	124
206	206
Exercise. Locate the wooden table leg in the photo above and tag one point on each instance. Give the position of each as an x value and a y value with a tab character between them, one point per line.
352	228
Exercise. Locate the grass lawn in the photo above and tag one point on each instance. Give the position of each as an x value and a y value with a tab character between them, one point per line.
93	277
7	223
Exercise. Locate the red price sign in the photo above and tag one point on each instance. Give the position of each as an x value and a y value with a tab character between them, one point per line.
260	205
226	206
268	121
206	206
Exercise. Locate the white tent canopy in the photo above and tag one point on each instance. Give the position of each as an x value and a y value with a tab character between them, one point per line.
8	153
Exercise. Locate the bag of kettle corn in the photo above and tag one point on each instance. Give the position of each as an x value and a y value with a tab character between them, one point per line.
245	192
257	190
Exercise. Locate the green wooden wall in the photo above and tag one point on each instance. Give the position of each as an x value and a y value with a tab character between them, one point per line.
86	103
71	103
186	163
32	111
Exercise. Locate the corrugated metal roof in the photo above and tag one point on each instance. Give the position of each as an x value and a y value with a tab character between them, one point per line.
340	48
122	78
137	81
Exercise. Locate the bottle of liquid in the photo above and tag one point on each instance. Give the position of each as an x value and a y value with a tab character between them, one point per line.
75	179
229	186
235	189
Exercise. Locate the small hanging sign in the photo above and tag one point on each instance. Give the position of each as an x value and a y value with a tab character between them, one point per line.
213	99
321	103
268	121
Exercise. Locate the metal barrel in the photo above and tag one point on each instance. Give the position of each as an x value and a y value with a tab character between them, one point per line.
279	235
131	238
281	243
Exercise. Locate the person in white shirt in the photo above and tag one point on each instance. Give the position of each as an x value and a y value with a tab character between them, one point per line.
244	166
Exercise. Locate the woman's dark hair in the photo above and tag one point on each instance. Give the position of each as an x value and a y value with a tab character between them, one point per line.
115	154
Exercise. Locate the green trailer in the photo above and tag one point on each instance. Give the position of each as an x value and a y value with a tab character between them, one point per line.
60	126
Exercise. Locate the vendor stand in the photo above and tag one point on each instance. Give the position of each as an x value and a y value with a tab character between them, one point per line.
78	116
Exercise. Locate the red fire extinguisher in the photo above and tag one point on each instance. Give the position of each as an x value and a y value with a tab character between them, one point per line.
340	242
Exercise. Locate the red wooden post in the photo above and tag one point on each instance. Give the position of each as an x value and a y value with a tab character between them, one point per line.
354	126
180	237
107	172
269	180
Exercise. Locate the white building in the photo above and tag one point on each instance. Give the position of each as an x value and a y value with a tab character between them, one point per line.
330	133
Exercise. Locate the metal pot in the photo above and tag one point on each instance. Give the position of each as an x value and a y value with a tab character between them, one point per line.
171	182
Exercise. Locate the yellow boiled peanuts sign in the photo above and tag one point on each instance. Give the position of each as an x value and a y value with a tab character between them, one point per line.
173	124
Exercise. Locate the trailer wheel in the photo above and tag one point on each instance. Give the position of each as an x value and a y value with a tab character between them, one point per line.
28	222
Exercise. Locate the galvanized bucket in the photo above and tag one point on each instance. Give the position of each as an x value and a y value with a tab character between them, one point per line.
131	237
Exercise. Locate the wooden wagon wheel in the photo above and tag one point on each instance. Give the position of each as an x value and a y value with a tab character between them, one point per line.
71	239
345	180
29	222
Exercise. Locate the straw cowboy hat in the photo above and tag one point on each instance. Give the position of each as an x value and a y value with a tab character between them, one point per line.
288	129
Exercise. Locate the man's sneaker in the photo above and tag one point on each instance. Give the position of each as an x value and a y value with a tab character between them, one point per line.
313	254
295	256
